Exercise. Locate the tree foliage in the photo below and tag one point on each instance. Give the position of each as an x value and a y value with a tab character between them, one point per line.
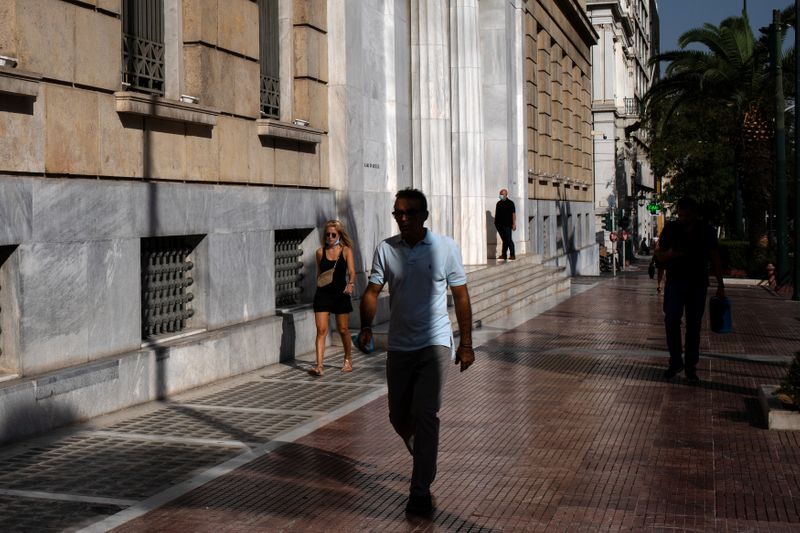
711	118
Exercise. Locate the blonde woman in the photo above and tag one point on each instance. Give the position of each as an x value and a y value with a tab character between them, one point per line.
336	275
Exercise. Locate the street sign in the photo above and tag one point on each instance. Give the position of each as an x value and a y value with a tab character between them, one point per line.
624	235
613	236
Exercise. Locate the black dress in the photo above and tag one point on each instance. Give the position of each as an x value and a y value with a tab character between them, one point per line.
331	298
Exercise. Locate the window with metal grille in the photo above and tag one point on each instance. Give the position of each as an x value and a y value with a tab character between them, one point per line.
167	284
268	43
143	45
288	267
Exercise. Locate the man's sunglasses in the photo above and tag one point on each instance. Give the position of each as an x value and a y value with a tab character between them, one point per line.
410	213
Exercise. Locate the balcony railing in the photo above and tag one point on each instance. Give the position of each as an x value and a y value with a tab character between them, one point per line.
633	107
143	65
270	96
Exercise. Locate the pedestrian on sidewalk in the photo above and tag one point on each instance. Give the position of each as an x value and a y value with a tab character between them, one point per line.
418	265
656	267
505	220
336	276
685	248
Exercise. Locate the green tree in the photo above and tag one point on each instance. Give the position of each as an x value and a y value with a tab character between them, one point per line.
727	80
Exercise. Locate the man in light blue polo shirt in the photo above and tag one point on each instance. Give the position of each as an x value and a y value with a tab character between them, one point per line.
418	265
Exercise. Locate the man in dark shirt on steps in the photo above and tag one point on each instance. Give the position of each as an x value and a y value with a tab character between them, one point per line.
505	220
684	249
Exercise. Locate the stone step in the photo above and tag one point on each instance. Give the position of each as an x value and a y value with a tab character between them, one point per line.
510	290
548	282
490	271
560	285
501	276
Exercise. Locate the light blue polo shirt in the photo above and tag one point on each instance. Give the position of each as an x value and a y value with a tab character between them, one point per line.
418	278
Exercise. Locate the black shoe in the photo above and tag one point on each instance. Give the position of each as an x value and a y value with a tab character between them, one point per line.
691	376
419	505
672	371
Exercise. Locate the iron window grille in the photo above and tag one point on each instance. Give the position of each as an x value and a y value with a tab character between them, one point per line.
269	48
633	107
143	45
166	284
288	267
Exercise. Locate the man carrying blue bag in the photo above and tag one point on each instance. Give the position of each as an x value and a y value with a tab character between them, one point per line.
685	249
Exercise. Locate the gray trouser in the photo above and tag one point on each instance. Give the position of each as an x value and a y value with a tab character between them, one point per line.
415	381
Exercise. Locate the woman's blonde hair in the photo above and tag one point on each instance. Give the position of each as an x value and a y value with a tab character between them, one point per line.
344	238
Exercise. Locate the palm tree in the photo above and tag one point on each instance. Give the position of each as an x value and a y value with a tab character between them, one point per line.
730	73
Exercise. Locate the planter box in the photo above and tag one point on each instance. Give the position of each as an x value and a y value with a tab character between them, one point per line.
776	414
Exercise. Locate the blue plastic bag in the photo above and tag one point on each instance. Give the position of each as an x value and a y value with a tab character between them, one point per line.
368	349
719	310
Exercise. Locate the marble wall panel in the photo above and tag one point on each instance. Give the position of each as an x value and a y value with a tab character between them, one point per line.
495	112
238	27
202	153
98	44
82	210
53	292
262	160
324	162
40	49
121	140
203	76
114	6
337	139
311	12
164	149
192	363
72	140
234	148
246	87
114	297
307	61
309	161
200	21
22	133
8	28
287	162
240	273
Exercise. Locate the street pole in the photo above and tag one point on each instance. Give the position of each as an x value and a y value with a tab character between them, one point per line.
781	211
796	290
613	244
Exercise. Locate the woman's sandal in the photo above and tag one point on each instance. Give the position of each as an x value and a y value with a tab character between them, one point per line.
316	371
347	366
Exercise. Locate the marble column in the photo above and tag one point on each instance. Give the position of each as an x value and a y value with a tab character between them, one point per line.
430	110
467	132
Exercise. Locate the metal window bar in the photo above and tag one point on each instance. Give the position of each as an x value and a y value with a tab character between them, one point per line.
633	106
165	285
269	48
288	268
143	45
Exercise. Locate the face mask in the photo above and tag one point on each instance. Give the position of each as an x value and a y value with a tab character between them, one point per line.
334	244
502	197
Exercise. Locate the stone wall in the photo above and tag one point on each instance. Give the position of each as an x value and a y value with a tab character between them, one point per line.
74	125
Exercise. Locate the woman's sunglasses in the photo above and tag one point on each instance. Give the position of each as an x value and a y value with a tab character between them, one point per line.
334	235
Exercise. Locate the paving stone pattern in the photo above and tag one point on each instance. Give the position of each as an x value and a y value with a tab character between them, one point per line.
560	426
54	484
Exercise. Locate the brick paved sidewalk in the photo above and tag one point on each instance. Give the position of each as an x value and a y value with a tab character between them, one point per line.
563	424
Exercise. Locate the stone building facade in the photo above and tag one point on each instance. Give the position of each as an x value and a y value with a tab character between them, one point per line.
166	165
624	181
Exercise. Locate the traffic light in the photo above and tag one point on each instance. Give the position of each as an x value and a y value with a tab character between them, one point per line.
653	208
607	222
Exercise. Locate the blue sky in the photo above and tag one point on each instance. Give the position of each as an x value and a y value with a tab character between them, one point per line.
677	16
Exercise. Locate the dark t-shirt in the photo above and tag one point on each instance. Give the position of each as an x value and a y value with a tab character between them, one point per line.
503	214
696	245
